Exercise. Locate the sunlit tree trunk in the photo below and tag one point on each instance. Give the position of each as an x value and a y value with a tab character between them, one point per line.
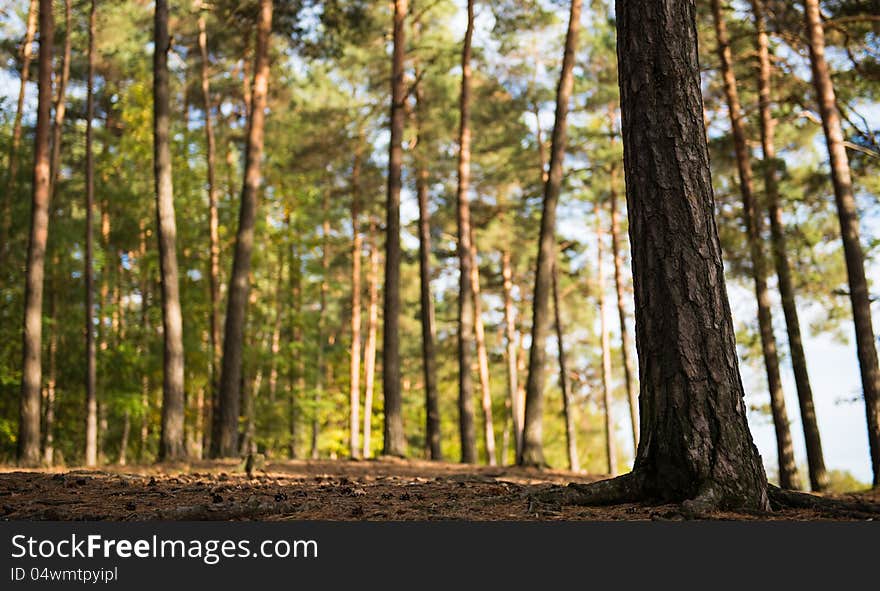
62	79
144	345
213	221
224	442
51	384
171	443
31	372
482	355
632	395
298	369
532	453
123	441
510	342
321	363
610	443
89	328
841	178
815	457
788	475
354	393
370	345
567	404
394	443
465	292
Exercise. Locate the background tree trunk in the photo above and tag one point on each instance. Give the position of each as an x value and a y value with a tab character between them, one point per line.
89	328
695	441
31	372
321	364
26	55
429	362
849	229
51	383
171	446
815	457
788	475
394	443
482	355
532	453
60	104
465	292
213	224
354	396
370	345
510	338
567	405
224	442
610	443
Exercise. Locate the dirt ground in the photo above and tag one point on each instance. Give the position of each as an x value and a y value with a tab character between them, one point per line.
386	490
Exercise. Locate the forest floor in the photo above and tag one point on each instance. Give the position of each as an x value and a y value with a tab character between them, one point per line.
384	489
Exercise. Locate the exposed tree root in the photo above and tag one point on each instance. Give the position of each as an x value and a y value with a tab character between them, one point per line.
622	489
789	499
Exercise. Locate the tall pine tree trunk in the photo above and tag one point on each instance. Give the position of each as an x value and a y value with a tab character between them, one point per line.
532	453
60	104
370	345
51	382
171	445
567	404
224	442
610	443
841	178
465	292
482	355
815	457
354	392
695	442
788	476
297	372
89	328
394	443
213	223
26	56
632	395
429	362
31	372
511	350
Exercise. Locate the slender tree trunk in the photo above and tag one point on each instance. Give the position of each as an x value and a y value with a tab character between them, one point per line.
354	394
299	369
841	178
123	442
213	221
632	394
370	345
320	382
172	446
695	442
610	443
31	373
532	453
51	384
788	475
144	345
224	441
26	55
482	355
567	405
429	361
510	338
275	345
89	328
60	103
465	292
815	457
394	442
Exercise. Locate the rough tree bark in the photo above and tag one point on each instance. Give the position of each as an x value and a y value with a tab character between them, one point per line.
31	371
429	362
482	355
510	342
695	442
354	396
394	443
788	476
370	345
610	443
465	292
26	56
89	328
224	442
567	404
812	438
841	178
532	453
213	222
632	395
171	444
